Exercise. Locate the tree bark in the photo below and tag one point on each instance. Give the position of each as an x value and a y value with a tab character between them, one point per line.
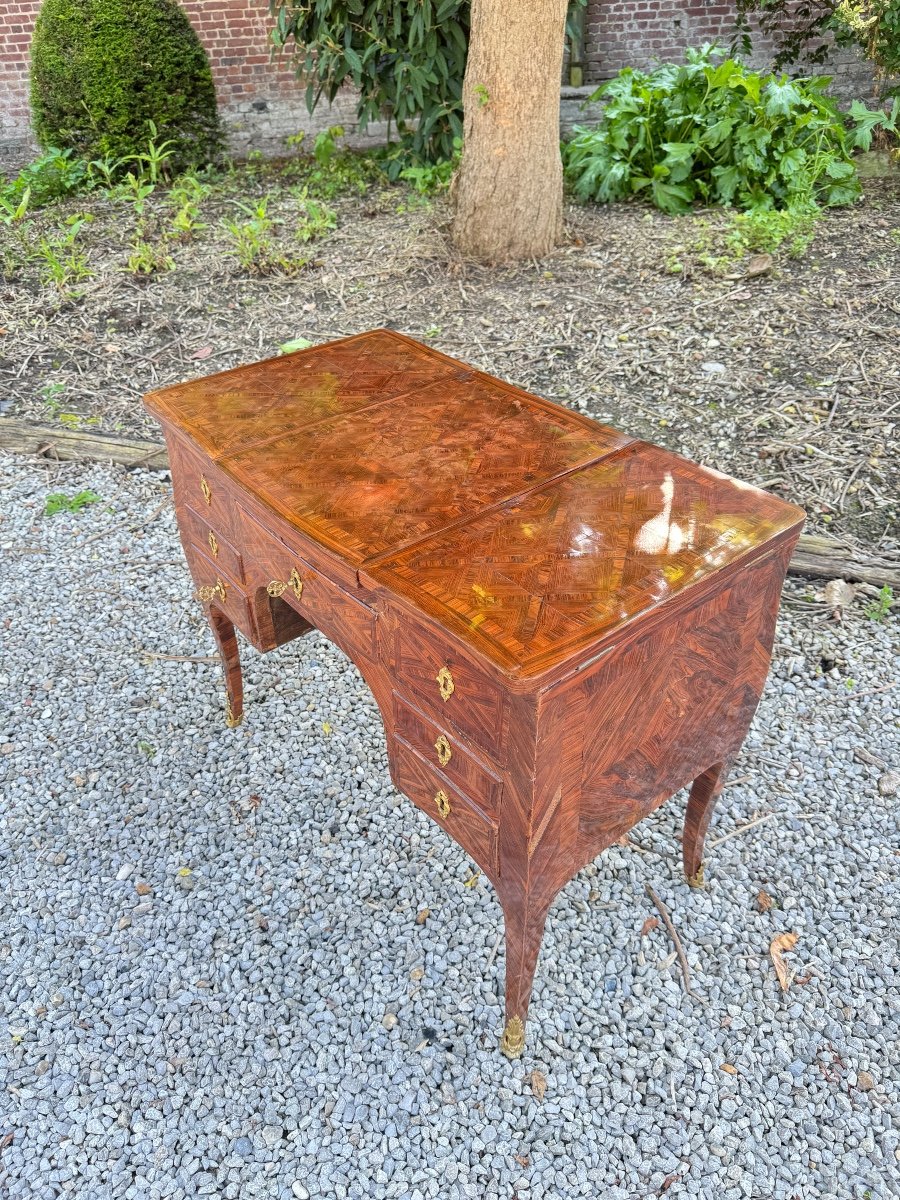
509	185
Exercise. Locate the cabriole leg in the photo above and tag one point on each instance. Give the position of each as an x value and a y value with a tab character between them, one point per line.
705	792
524	921
226	640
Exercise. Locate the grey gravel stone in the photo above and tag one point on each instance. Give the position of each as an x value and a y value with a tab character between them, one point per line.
284	1029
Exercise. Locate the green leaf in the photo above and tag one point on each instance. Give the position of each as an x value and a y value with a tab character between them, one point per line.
296	344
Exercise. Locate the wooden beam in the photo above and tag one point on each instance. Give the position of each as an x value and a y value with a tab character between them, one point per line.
817	556
58	442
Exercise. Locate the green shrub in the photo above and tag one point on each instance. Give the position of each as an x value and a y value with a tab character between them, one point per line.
103	70
713	133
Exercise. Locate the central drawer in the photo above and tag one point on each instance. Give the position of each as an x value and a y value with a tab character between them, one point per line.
271	564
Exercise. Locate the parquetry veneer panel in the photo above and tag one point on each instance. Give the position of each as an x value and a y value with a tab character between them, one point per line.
561	625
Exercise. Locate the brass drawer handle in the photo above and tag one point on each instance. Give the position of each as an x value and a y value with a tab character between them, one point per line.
205	489
442	800
277	587
213	544
444	751
445	683
210	593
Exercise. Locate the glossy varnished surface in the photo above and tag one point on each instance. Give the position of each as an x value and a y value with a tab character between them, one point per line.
568	563
561	626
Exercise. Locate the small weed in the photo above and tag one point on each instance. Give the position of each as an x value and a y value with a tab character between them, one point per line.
432	178
58	502
62	261
253	243
146	748
879	608
317	219
187	195
895	236
137	190
147	259
768	230
50	394
153	164
482	95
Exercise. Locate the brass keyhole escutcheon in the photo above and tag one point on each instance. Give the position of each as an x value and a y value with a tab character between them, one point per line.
445	683
442	800
444	750
205	489
211	593
213	544
278	587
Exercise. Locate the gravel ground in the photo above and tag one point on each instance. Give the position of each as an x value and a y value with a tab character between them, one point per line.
212	977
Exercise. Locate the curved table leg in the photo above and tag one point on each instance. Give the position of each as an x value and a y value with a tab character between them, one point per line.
226	640
705	792
524	921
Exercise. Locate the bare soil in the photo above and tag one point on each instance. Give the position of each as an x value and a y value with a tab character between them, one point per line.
784	372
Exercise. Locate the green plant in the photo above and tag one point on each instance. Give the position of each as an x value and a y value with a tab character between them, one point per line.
879	608
252	242
768	230
186	195
58	502
431	178
137	191
868	121
53	176
62	261
146	259
105	72
714	133
316	218
50	393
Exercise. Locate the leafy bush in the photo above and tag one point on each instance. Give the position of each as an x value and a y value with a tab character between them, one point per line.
406	58
714	133
104	70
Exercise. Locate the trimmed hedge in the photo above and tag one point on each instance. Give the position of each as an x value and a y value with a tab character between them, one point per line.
102	70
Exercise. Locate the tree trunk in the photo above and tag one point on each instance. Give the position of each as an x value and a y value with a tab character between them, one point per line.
509	185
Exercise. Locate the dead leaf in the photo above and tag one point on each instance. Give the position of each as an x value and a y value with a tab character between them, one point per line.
759	264
865	1081
649	925
763	901
728	1069
143	889
889	784
203	352
538	1084
417	973
522	1159
422	915
472	881
777	948
838	595
667	1183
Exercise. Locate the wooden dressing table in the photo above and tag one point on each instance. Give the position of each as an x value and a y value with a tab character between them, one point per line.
561	625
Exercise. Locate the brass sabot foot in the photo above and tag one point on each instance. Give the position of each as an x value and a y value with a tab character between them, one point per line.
513	1041
698	880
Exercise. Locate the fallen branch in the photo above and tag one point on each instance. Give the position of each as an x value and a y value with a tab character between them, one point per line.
676	940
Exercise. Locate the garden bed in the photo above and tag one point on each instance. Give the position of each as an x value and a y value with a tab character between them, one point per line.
781	371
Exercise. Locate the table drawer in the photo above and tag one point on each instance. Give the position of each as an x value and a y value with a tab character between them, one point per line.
439	678
199	531
273	565
442	748
435	795
200	486
221	590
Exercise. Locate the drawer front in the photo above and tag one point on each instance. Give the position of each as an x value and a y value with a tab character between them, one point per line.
450	687
435	795
273	565
441	747
200	486
226	594
198	530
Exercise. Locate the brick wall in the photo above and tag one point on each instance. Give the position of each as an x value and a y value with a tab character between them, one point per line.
260	101
636	33
262	104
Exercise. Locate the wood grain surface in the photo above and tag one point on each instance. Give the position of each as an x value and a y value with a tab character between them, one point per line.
561	626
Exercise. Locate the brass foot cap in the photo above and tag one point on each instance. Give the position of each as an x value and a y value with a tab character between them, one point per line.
231	720
513	1041
698	880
